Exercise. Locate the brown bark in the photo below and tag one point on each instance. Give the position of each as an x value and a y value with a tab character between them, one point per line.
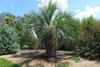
50	48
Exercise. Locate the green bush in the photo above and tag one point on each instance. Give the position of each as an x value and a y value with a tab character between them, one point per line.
89	43
8	39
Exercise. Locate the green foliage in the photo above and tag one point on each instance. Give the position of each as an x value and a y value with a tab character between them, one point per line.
8	39
6	14
71	35
6	63
15	21
91	57
23	53
89	39
19	27
8	18
76	59
65	53
51	24
62	65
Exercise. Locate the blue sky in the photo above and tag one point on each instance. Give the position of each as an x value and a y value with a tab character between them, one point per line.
80	8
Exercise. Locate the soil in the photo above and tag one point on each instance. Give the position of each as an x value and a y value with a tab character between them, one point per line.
33	58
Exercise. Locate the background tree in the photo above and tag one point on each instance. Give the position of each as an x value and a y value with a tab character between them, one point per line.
8	39
8	17
16	22
19	22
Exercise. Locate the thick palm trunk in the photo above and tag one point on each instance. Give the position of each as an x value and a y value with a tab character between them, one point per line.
50	48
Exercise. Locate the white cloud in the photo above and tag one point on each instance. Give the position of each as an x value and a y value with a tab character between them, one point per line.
78	10
62	4
94	11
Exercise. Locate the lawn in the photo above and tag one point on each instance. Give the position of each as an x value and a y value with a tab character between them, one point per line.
6	63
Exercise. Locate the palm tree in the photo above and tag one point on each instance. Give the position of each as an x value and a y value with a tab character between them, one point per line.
48	25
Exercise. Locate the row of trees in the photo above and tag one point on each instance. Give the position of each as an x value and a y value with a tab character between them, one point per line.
52	29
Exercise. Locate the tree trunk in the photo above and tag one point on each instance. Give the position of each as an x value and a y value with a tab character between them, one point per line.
50	48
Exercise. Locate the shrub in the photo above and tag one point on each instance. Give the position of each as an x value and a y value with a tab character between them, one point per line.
8	39
89	42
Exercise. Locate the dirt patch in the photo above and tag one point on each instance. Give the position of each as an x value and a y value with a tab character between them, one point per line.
31	58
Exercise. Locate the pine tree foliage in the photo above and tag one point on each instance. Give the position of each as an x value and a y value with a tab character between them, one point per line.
8	39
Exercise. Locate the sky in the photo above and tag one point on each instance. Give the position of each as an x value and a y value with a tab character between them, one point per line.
79	8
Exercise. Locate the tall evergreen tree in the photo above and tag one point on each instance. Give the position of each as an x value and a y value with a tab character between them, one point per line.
8	39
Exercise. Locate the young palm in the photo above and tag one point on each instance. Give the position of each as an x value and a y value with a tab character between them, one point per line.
46	26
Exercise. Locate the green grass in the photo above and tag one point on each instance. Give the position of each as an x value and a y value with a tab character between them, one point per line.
65	53
6	63
62	65
77	59
23	53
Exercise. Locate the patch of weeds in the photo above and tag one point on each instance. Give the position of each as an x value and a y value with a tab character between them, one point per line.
77	59
23	53
62	65
65	53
